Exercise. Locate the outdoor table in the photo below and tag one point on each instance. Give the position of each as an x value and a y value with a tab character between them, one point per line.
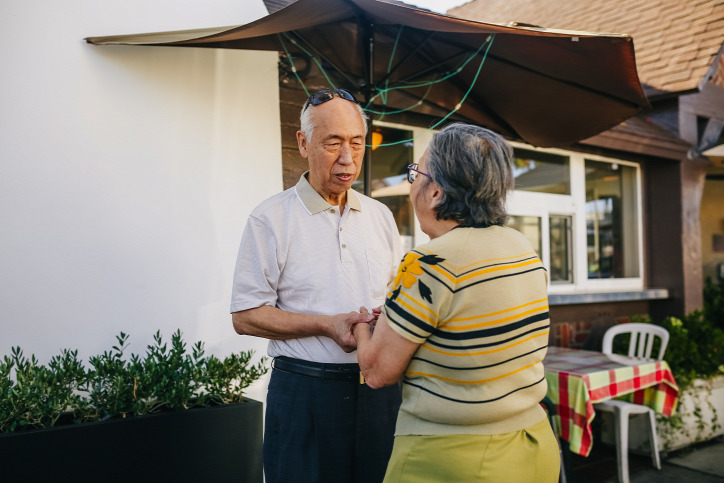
577	379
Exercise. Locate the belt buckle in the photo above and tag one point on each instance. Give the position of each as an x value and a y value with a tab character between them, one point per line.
361	378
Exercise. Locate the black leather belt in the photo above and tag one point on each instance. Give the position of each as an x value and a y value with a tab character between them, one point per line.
330	372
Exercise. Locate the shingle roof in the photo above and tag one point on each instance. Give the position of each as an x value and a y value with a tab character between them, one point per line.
676	41
640	135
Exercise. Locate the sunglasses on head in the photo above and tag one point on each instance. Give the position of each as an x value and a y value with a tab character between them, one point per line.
324	95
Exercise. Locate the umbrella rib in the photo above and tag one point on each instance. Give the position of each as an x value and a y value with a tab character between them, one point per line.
459	84
551	77
566	82
436	62
408	56
488	113
429	69
454	80
317	53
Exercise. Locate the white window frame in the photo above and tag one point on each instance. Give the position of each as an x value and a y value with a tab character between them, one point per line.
544	205
421	138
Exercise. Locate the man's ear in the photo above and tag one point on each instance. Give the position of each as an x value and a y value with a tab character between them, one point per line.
302	143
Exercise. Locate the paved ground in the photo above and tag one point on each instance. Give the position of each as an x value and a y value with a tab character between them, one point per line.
703	463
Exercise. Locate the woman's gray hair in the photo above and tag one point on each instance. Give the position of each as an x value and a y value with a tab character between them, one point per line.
306	122
473	167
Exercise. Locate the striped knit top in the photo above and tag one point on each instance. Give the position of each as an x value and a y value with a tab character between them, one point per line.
475	299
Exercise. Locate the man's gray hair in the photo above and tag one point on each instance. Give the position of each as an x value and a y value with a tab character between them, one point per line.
306	122
473	167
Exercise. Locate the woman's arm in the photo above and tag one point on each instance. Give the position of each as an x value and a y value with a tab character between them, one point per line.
383	354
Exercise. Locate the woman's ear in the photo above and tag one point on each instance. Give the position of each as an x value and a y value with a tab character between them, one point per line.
435	194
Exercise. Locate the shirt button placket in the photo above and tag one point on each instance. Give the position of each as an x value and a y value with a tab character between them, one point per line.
342	243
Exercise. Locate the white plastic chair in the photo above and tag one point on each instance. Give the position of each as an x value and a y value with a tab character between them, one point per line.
640	345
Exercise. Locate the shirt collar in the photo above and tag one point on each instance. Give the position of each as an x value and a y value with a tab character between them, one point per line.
315	203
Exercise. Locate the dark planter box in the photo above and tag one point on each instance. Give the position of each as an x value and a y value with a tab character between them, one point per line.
201	445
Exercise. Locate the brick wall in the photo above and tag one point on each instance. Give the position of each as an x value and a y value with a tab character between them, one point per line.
581	326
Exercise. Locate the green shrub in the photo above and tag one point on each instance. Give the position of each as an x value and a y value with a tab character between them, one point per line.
695	351
696	347
714	302
112	385
166	378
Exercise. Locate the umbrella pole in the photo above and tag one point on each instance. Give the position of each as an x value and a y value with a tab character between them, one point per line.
368	93
368	162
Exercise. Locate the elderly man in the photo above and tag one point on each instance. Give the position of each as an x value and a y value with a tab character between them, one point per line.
310	257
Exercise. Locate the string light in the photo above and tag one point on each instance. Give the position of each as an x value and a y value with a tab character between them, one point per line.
382	92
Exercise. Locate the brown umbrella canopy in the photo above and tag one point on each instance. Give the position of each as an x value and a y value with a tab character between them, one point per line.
545	87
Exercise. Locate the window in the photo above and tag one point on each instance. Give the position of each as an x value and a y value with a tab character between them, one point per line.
530	226
559	245
561	266
392	152
582	214
541	172
611	220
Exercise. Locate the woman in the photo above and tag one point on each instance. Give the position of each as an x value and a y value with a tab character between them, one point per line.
465	325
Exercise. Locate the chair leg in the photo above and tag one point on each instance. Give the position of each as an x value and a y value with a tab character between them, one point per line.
565	457
654	441
562	445
621	425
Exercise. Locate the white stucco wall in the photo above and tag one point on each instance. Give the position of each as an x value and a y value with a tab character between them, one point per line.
127	173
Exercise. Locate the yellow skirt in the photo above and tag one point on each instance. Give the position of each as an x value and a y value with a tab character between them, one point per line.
530	456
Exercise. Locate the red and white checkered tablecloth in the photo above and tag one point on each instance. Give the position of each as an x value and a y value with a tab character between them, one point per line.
577	379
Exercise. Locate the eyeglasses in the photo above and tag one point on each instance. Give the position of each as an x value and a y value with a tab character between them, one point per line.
324	95
412	172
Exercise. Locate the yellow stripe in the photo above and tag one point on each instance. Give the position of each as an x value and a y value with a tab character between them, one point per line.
498	321
419	304
420	315
481	271
483	381
500	311
482	261
495	260
426	345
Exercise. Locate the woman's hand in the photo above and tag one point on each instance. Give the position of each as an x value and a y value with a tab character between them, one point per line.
384	355
363	331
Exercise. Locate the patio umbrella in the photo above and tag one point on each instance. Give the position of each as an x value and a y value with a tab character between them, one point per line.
545	87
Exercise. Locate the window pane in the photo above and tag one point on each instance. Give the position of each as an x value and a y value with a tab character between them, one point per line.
541	172
528	226
611	220
389	178
561	269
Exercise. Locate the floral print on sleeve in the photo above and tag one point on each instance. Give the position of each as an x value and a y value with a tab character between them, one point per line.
410	269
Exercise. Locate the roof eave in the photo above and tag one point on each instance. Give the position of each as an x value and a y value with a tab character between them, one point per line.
673	149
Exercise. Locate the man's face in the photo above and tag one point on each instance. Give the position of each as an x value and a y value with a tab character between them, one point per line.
337	148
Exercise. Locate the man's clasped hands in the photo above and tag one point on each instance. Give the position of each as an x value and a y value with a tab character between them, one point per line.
343	326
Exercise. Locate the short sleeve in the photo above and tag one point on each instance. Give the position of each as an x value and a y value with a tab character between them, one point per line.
256	275
413	301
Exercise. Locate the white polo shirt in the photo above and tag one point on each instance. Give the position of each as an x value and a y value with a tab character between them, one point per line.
298	254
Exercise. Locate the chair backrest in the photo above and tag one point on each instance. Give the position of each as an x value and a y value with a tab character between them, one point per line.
641	343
